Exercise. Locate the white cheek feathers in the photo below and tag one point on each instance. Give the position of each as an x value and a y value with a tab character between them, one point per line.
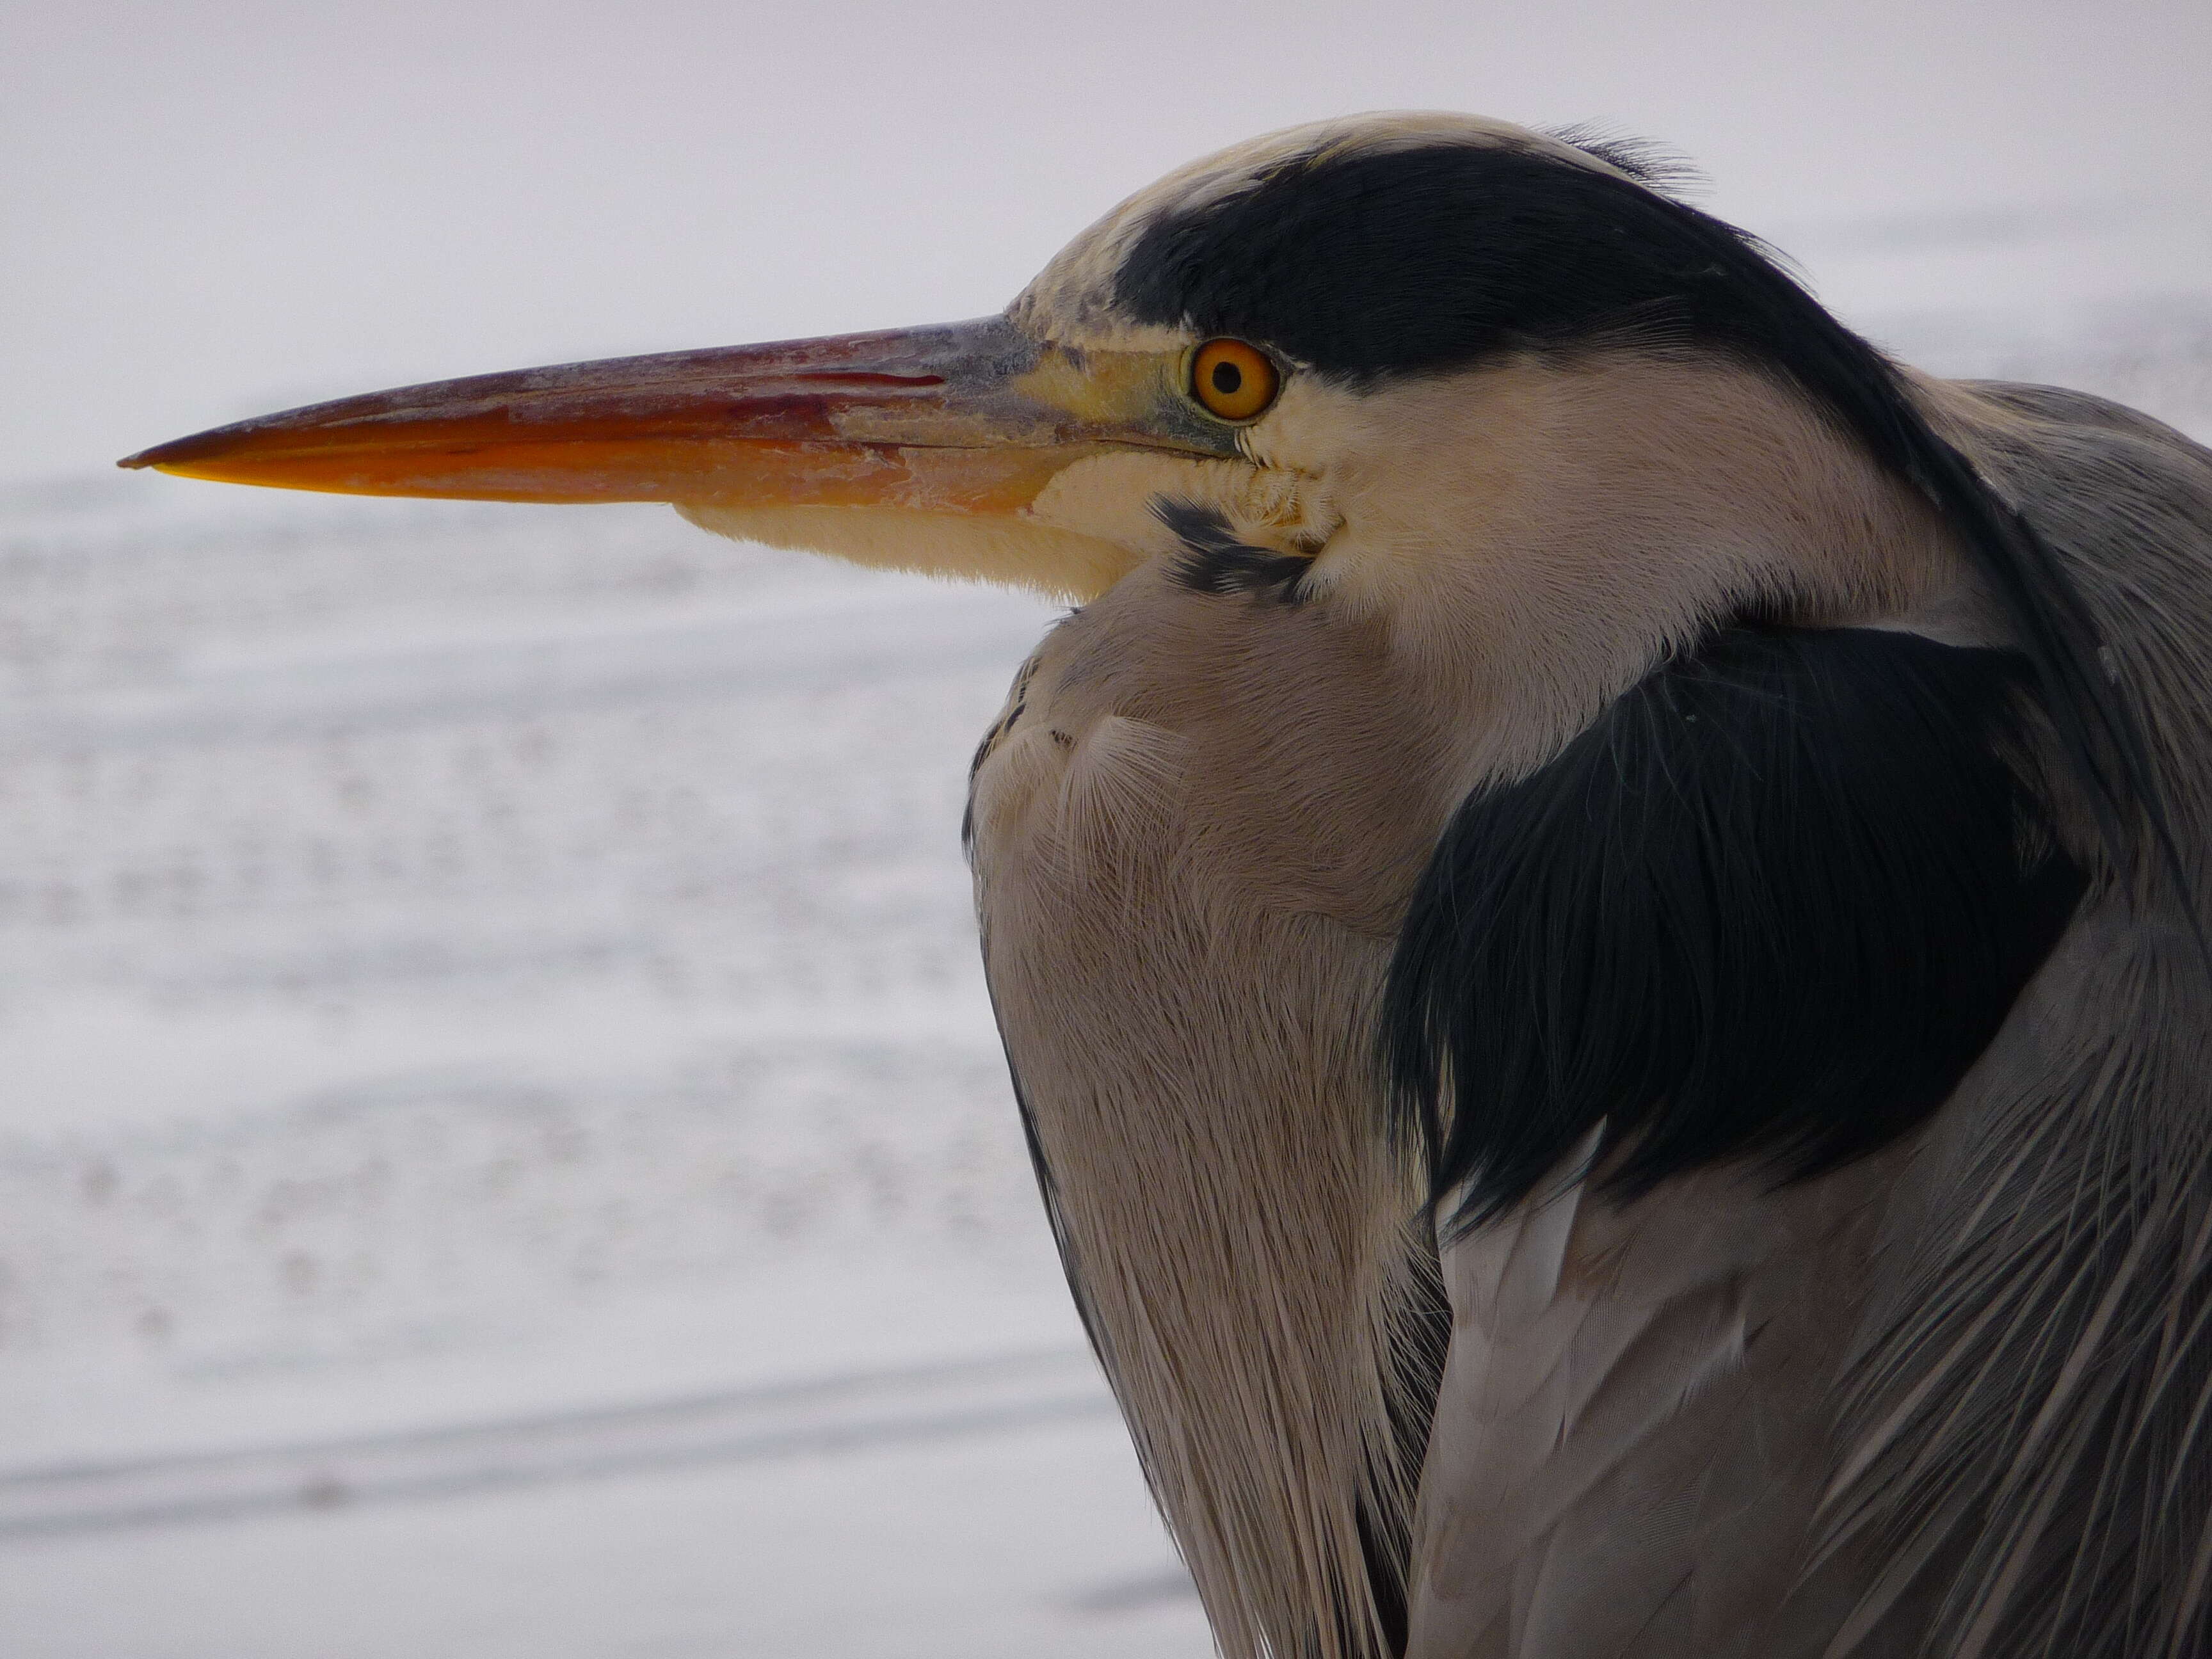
1059	562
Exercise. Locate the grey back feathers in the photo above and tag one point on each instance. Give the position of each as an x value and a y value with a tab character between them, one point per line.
2032	1393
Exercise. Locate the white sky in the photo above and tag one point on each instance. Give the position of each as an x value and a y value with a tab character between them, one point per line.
213	208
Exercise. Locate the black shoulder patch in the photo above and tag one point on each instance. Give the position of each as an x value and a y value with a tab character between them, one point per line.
1774	901
1214	561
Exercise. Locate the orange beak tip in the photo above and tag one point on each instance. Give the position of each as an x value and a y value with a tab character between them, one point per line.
163	457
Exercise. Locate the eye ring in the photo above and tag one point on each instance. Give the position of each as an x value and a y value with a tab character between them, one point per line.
1233	381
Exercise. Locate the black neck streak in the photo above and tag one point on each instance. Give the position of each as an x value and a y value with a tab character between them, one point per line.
1213	560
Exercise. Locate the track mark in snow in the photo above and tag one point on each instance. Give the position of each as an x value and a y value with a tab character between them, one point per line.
851	1412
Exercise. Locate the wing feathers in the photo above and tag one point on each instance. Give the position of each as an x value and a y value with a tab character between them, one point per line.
1956	1397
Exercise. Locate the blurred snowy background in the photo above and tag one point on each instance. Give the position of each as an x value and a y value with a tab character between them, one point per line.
503	1150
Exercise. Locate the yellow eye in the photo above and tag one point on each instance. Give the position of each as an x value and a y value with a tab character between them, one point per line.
1234	381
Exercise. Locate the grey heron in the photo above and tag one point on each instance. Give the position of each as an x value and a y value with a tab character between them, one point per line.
1593	911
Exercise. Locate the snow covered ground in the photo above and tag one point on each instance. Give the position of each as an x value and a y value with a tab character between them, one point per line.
503	1147
503	1150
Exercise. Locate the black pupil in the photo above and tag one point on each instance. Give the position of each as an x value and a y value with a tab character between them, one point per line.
1228	380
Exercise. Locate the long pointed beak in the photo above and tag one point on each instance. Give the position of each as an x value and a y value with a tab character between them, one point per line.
963	418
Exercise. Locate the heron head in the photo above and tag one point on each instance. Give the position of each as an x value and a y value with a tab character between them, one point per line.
1355	360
